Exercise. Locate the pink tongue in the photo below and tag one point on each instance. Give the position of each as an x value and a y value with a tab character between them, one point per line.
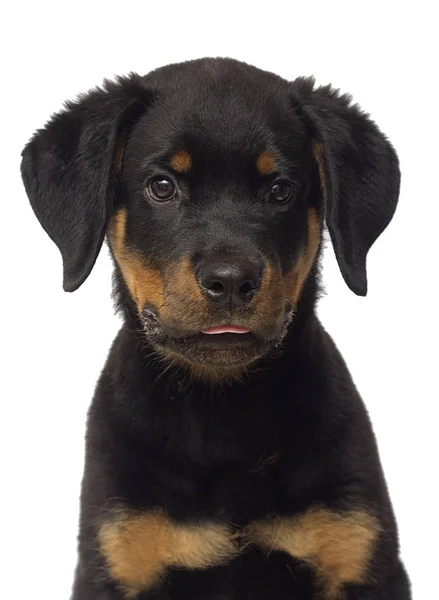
225	329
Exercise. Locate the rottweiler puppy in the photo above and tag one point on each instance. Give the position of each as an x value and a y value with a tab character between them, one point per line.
229	455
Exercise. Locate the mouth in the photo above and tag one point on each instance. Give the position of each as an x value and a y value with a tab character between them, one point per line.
222	329
223	346
222	351
225	341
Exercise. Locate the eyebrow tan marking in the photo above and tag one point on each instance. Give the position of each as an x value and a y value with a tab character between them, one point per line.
266	163
181	161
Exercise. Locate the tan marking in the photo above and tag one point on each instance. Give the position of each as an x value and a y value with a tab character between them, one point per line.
117	231
180	304
184	307
139	548
338	546
295	279
266	163
269	300
319	156
184	281
181	161
144	283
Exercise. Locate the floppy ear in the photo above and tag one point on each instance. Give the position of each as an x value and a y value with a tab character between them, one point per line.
359	172
68	169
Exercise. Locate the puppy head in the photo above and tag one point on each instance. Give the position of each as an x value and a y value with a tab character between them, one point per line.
212	180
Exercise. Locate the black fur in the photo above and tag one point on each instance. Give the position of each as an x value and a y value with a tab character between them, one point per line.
198	448
362	177
67	172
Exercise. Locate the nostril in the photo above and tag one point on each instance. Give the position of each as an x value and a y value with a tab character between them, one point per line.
216	286
247	287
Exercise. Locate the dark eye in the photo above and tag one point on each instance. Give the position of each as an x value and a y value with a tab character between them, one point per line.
281	192
161	189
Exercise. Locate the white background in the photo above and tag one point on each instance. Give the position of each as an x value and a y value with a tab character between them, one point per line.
54	344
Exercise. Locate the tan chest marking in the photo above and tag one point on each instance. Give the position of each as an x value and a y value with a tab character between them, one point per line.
139	548
337	546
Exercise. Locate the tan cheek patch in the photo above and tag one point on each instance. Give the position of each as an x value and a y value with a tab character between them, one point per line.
338	546
181	162
269	301
144	284
184	305
184	282
296	277
266	163
138	549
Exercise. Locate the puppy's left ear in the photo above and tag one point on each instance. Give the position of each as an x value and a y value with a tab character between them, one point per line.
69	170
359	175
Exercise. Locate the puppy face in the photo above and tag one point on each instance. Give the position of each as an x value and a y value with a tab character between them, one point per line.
212	180
218	220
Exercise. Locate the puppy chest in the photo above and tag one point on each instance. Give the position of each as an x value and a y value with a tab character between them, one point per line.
140	549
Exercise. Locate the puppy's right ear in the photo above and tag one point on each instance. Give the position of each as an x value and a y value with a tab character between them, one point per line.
69	170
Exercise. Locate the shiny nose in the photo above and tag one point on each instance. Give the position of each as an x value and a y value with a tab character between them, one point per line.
229	284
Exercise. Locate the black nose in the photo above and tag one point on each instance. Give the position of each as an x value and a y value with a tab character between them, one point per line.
229	284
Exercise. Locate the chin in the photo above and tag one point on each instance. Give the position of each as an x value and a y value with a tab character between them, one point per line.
215	357
225	350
